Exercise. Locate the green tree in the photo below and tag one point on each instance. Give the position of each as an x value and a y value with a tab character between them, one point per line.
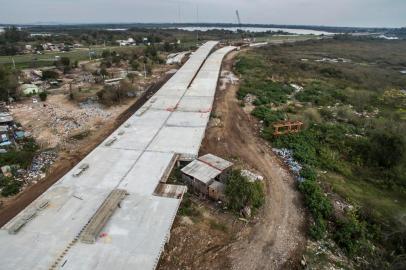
8	83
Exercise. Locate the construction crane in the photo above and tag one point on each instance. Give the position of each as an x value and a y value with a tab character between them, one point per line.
239	24
238	18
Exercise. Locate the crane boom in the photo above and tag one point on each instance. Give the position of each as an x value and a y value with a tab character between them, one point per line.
238	17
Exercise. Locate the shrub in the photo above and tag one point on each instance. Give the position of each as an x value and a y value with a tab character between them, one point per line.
318	204
318	230
187	208
240	192
49	74
267	115
43	96
10	187
386	149
308	173
350	234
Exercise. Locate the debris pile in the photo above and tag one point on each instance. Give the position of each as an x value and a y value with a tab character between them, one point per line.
227	77
39	164
252	177
249	99
176	58
287	156
66	121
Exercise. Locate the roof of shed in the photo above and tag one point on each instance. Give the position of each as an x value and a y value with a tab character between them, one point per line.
216	162
200	171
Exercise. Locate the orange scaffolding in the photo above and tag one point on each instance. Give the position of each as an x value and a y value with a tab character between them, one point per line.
287	127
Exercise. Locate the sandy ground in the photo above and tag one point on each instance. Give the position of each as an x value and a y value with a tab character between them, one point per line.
54	122
277	239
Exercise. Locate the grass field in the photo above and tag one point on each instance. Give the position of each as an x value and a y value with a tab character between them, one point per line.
47	59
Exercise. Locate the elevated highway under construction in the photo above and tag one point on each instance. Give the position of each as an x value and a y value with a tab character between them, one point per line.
113	210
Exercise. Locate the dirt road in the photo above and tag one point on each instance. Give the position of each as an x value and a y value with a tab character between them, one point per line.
278	239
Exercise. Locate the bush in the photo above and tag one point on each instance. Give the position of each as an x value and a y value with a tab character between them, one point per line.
267	115
319	229
350	234
318	204
10	187
386	149
308	173
49	75
43	96
240	192
187	208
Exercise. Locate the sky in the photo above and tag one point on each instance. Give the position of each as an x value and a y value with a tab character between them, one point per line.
362	13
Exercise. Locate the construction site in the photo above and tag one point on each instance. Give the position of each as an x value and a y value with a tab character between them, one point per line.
114	206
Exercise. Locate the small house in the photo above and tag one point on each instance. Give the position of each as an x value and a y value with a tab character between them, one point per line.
207	175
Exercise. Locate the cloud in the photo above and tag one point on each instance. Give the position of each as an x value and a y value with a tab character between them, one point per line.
315	12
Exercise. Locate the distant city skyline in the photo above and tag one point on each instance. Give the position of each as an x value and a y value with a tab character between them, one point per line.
359	13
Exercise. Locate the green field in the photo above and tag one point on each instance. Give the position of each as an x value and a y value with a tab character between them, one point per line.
48	58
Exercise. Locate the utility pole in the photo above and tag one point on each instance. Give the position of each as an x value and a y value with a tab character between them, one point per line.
14	63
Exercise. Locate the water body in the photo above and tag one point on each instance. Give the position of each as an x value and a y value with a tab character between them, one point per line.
117	29
260	29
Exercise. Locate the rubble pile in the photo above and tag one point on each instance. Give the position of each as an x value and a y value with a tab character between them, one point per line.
287	156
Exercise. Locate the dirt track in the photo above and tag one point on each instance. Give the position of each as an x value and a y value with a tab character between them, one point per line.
12	207
278	239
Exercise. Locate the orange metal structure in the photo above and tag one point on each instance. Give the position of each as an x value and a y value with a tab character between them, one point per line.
287	127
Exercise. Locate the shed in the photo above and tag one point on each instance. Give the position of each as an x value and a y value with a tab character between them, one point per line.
202	172
199	175
216	162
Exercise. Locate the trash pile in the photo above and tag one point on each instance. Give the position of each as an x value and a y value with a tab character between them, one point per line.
94	109
252	177
287	156
66	121
227	77
39	164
